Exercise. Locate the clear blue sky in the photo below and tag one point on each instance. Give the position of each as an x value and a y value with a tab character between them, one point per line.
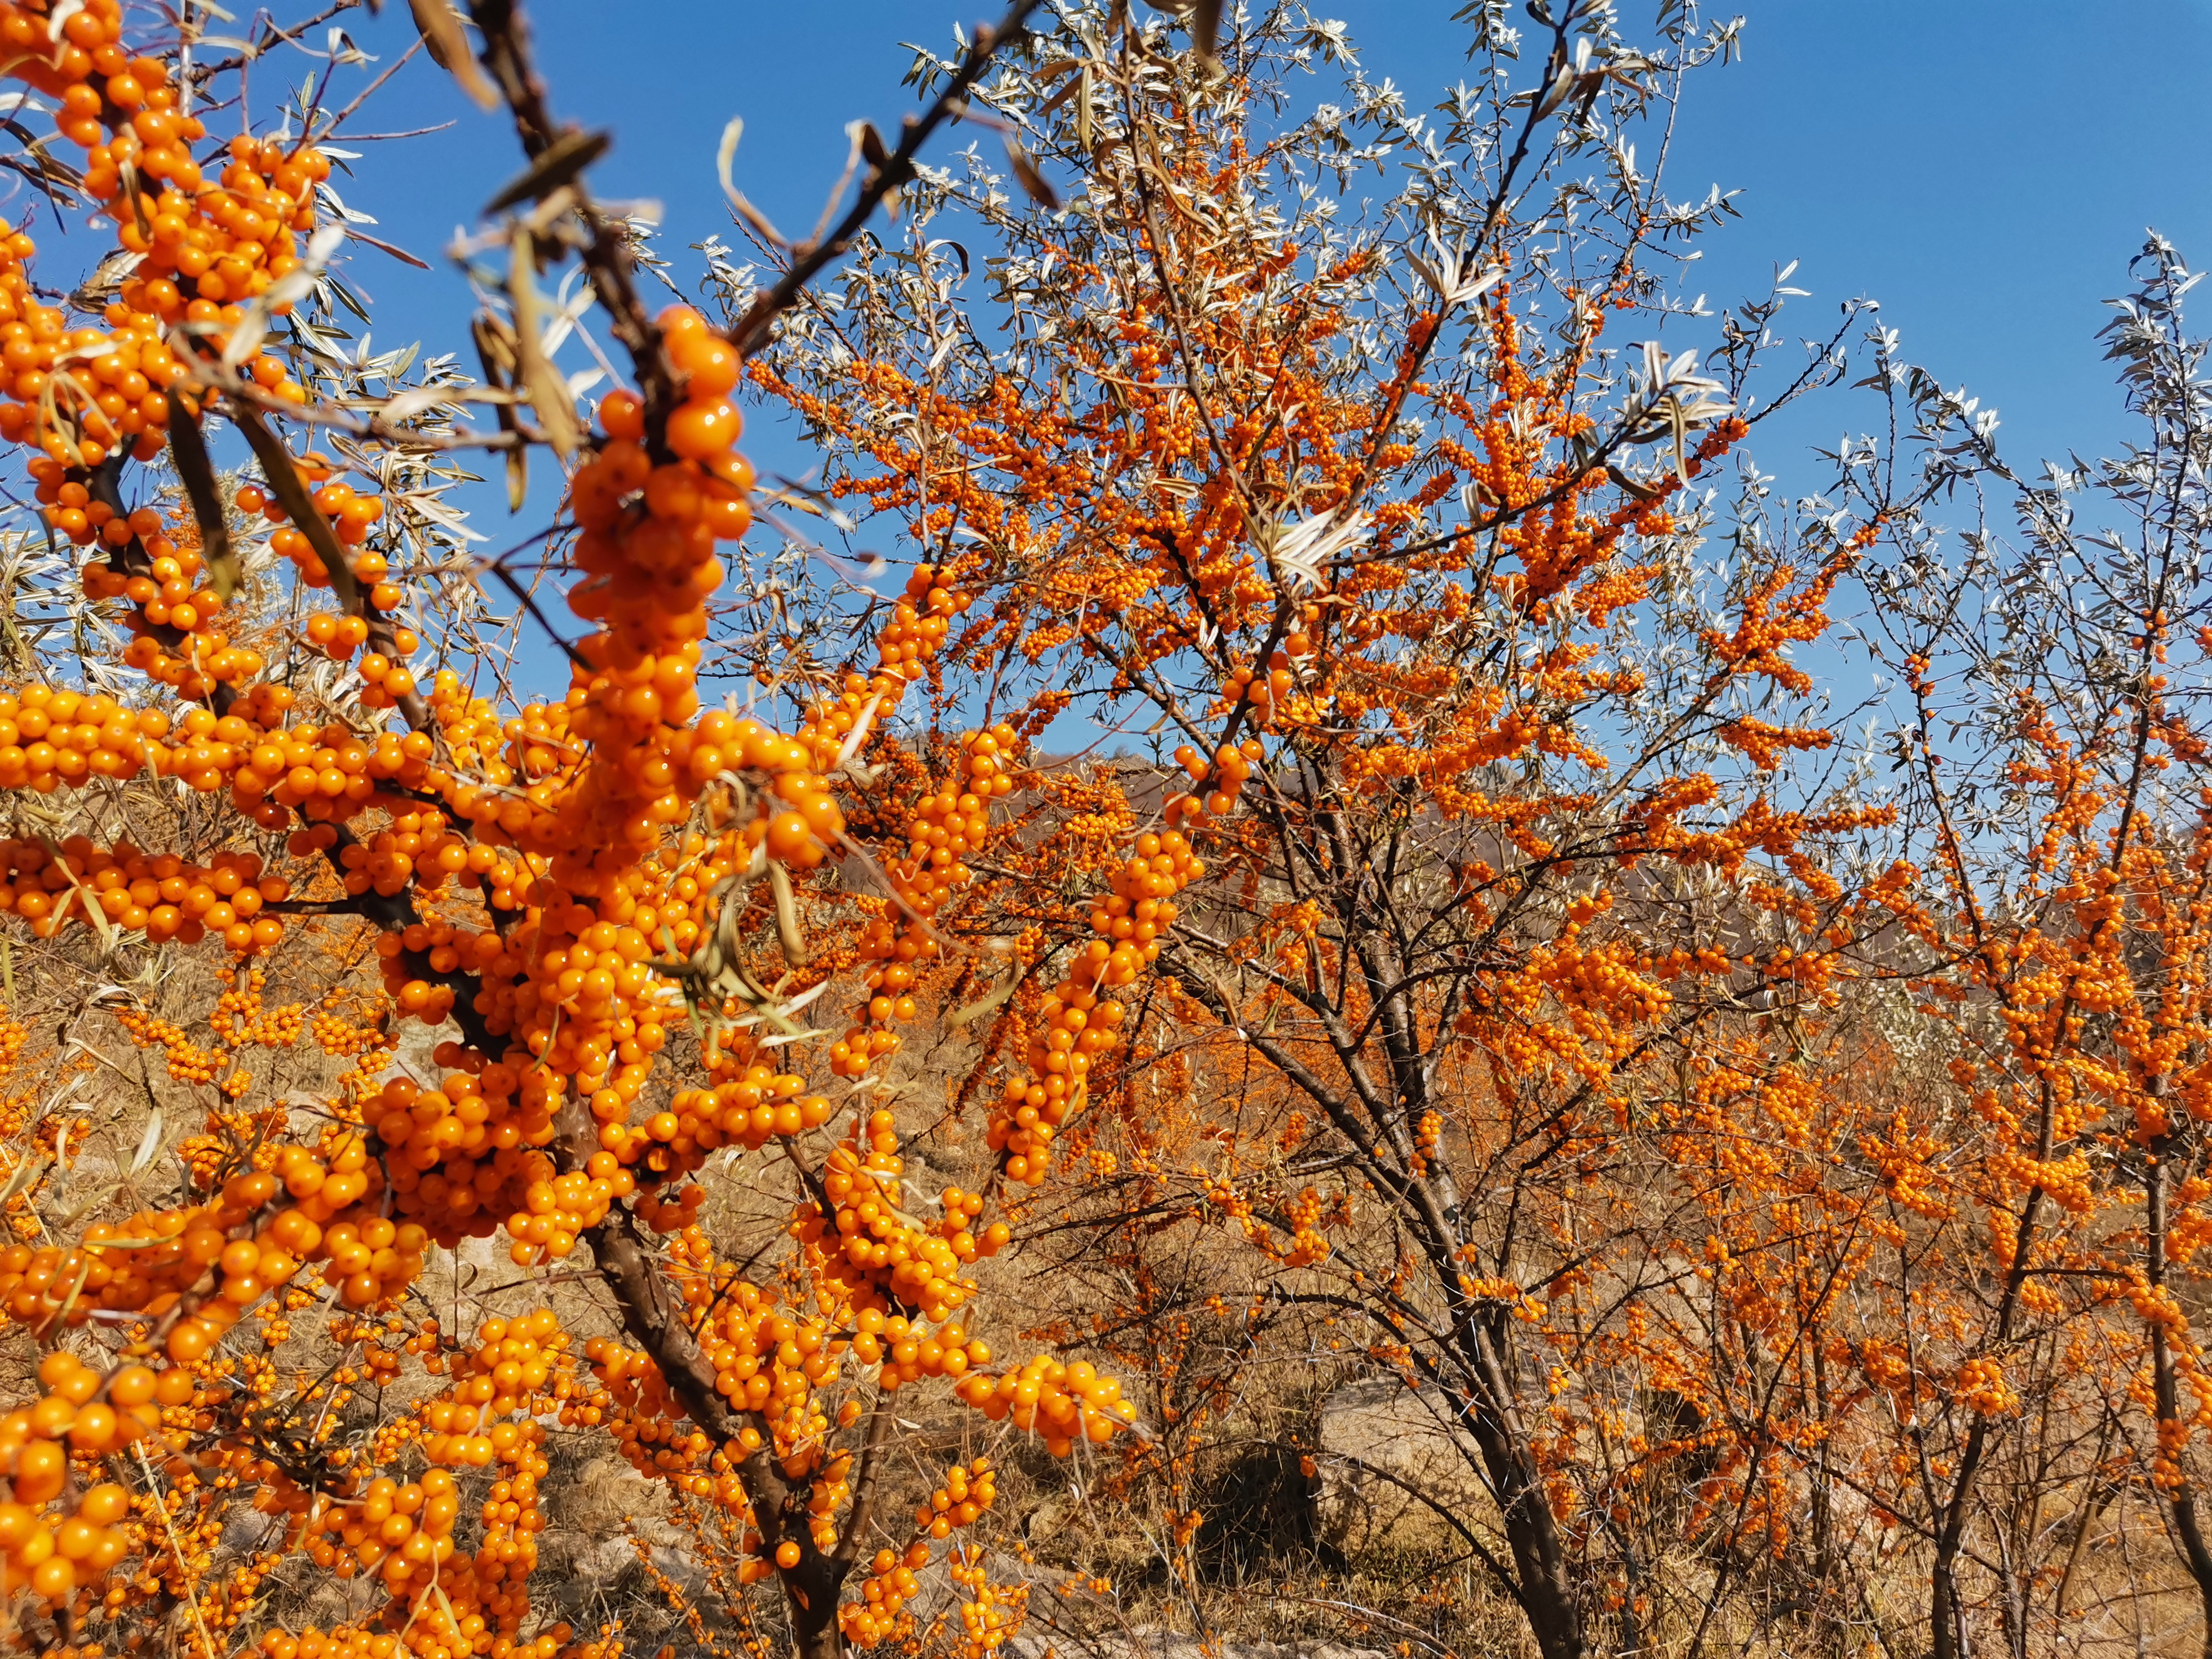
1984	169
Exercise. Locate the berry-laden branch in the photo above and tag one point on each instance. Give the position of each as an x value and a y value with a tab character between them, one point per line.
597	832
606	255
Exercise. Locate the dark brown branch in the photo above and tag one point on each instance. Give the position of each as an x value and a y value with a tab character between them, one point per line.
606	255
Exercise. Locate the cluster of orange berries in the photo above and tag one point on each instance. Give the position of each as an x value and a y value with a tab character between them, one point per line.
630	1395
945	825
230	240
348	1642
969	1488
554	1212
187	1062
765	1358
349	514
990	1617
649	532
372	1261
1230	767
80	396
77	394
52	738
404	1532
1063	1401
1266	696
327	772
50	1285
391	1527
747	1109
1077	1025
178	635
803	821
670	1213
240	1017
146	1262
572	985
49	1553
415	846
576	1008
513	1361
162	896
465	1161
878	1246
1982	1384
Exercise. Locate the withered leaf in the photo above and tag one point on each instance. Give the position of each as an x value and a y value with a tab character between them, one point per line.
1206	25
787	932
441	28
538	380
497	350
561	162
382	246
1201	17
284	475
188	448
983	1004
1032	181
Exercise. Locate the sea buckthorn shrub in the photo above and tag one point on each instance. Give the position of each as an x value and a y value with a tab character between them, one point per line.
434	950
1478	972
666	991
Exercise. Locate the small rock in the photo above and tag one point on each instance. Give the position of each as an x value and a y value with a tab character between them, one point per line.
1378	1440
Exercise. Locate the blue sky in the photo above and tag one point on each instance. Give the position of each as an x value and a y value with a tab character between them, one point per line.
1985	170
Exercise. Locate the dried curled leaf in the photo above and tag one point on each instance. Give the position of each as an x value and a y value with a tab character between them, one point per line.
1201	17
538	378
150	1143
560	163
787	916
441	28
1039	188
991	999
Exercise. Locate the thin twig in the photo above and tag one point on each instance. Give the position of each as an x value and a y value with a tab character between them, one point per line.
750	332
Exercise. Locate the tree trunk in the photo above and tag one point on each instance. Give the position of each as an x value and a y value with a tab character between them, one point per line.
1549	1596
2181	1498
814	1632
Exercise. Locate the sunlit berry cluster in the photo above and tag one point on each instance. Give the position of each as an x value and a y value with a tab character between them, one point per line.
247	1246
1078	1020
512	1362
881	1250
649	546
747	1109
1063	1401
1216	784
945	827
52	738
967	1491
51	1547
159	895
